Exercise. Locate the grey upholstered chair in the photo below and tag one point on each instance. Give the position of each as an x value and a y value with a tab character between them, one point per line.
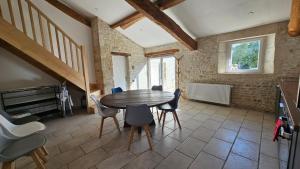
158	88
139	116
170	107
10	150
105	112
19	121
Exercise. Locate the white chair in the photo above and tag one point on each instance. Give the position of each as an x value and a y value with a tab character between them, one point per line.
12	131
105	112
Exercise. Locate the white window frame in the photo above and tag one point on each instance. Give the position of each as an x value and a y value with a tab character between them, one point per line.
229	56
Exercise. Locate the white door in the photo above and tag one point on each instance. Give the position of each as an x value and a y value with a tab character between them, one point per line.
119	71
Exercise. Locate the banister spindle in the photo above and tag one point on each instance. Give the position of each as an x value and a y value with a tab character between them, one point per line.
11	13
31	20
50	36
71	52
41	28
57	42
22	16
77	56
65	48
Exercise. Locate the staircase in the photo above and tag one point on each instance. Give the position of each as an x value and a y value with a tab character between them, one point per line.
27	32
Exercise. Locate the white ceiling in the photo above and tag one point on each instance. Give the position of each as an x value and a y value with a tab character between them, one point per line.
198	18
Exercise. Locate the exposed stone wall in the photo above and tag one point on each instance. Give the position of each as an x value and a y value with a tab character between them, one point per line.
113	41
254	91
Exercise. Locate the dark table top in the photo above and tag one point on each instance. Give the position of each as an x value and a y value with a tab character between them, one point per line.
132	97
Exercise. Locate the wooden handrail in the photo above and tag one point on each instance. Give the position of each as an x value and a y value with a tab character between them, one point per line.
45	24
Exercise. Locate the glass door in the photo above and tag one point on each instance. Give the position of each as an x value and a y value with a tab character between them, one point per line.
168	74
162	72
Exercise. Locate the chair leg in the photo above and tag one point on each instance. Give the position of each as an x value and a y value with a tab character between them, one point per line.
41	155
158	117
164	119
131	134
174	118
44	150
146	128
101	127
117	123
8	165
175	114
161	115
37	160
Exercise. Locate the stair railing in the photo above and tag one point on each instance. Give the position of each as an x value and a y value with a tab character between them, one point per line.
39	27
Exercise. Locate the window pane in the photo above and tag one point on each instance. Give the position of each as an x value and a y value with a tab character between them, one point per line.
143	78
169	74
154	71
245	55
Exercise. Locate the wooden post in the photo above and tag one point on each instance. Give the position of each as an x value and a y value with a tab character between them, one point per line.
294	24
86	79
11	13
22	16
97	54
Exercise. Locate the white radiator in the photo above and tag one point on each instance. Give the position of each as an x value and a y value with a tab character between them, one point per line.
214	93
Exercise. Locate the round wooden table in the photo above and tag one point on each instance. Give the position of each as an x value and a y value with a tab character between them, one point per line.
151	98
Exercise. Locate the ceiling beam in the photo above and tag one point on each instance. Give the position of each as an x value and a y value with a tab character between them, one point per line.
136	16
67	10
168	52
152	12
294	24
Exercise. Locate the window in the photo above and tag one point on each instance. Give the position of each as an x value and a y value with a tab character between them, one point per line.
247	55
244	56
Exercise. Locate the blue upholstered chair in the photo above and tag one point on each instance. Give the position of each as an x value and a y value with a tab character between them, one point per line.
116	90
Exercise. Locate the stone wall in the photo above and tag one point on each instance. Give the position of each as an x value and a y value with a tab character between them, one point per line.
253	91
113	41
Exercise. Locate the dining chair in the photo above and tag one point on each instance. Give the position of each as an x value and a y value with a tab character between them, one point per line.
116	90
19	120
33	146
13	131
170	107
157	88
105	112
139	116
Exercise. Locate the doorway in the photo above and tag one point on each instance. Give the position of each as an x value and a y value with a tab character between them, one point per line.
120	71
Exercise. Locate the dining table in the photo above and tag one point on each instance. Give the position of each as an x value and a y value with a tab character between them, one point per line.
151	98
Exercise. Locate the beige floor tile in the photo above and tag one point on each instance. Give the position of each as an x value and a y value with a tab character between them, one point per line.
201	117
207	161
235	161
116	161
211	124
166	146
226	135
180	134
191	124
246	149
252	125
266	162
250	135
218	148
203	134
191	147
270	148
148	159
89	160
175	160
231	125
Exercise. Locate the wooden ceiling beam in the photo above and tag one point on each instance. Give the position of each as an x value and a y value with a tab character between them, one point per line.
152	12
294	24
67	10
136	16
168	52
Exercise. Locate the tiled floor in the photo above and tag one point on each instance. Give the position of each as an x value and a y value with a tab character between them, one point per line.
212	137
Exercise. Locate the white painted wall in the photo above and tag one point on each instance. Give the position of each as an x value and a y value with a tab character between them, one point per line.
17	73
